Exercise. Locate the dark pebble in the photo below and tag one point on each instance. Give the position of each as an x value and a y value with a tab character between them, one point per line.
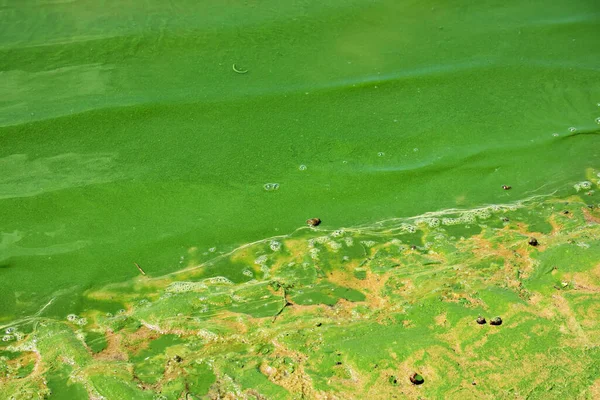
533	241
496	321
416	379
313	221
481	320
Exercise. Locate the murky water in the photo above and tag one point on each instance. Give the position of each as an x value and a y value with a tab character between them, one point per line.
128	134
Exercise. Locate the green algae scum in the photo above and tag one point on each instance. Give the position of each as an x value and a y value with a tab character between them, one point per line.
372	312
299	199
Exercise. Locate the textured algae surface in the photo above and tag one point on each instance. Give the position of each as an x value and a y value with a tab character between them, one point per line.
345	314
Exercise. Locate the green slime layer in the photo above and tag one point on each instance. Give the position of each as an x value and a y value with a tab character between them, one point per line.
344	314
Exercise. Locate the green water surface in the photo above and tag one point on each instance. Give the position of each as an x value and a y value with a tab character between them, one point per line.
127	136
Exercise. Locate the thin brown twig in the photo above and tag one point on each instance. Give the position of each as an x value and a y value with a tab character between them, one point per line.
140	268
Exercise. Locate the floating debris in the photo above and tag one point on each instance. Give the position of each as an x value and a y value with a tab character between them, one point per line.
239	71
506	187
416	379
270	187
313	221
139	268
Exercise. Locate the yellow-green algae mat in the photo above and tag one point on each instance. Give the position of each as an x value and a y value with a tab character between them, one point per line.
345	314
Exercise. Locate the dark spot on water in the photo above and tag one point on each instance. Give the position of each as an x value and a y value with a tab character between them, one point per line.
496	321
481	320
319	324
506	187
533	242
313	221
177	359
566	212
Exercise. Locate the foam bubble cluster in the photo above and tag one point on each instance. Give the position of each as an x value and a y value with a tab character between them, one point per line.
585	185
337	233
72	317
218	280
269	187
261	260
431	222
183	287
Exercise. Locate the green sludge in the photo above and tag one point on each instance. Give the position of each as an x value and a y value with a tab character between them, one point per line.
127	136
351	313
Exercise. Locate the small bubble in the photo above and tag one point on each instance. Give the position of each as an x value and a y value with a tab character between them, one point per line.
415	149
598	120
555	134
344	162
572	129
302	167
269	187
72	317
9	330
212	249
381	154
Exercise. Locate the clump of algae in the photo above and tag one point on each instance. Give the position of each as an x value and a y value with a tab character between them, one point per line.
345	314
